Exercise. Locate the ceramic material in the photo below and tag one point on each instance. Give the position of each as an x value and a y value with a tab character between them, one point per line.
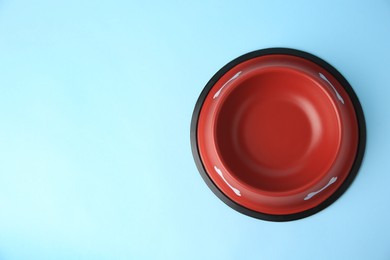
278	134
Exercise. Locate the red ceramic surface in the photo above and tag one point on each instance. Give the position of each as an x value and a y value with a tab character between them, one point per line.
277	134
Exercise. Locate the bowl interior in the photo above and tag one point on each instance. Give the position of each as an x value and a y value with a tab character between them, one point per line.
278	130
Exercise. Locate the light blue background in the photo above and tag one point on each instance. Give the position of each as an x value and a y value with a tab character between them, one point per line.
96	99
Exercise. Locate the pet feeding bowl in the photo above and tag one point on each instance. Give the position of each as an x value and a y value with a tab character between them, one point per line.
278	134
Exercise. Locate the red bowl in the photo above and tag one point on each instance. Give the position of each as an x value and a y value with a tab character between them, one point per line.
278	134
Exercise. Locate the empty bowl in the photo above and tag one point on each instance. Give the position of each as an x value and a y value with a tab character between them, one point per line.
278	134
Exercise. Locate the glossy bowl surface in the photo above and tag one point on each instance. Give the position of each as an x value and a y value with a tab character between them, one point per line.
277	133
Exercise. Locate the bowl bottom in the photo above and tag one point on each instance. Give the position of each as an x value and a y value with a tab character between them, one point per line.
278	131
